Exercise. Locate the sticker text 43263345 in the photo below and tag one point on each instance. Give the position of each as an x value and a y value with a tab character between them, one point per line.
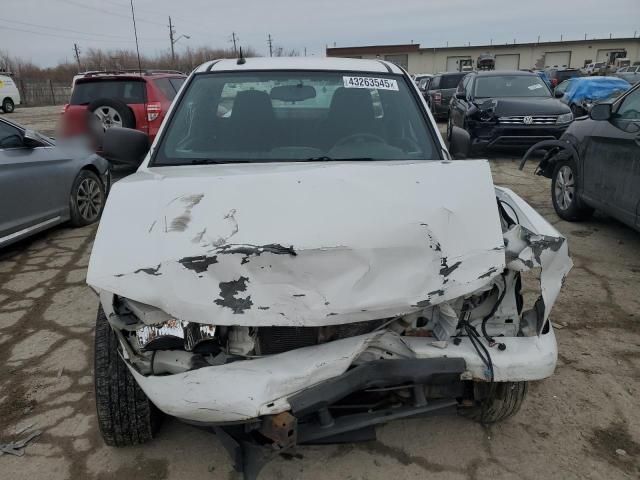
370	82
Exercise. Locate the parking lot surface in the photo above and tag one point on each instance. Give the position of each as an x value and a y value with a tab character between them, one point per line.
583	422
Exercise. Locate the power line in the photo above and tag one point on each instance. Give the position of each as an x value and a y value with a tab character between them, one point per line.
93	34
107	12
68	37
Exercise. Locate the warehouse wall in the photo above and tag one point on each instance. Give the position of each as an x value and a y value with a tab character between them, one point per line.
427	60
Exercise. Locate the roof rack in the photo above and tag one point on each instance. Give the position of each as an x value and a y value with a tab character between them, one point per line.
93	73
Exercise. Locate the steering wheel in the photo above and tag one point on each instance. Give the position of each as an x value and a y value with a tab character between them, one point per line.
359	137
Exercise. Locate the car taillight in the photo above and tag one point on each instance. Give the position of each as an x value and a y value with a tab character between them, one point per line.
153	111
65	107
437	97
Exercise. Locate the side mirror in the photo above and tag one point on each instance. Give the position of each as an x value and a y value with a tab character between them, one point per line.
125	145
461	95
558	94
30	139
460	144
601	111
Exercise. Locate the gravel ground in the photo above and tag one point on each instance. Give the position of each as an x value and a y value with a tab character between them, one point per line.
42	119
573	425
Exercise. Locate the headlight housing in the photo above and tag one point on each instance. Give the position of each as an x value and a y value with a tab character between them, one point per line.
565	118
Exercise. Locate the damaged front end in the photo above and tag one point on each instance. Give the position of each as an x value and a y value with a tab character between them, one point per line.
383	314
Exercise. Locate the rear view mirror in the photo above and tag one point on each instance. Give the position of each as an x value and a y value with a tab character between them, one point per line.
293	93
558	94
460	143
125	145
601	111
461	95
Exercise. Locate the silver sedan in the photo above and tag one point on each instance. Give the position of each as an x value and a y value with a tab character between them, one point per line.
43	184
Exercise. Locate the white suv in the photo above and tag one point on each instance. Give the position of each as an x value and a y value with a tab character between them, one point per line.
298	259
9	94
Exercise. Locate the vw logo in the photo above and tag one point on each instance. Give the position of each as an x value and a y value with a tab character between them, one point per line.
528	120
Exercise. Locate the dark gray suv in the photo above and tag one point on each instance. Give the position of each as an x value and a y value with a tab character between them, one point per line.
439	92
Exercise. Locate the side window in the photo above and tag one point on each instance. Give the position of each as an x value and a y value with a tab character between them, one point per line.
165	87
435	83
10	136
466	85
630	107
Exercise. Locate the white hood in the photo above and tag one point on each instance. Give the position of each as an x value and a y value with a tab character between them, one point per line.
299	243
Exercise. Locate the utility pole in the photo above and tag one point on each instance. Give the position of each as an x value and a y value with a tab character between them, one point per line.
171	34
270	42
234	39
173	40
76	53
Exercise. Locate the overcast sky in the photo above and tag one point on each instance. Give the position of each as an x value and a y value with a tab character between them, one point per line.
44	31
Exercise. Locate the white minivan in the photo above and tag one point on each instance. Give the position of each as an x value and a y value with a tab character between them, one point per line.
9	94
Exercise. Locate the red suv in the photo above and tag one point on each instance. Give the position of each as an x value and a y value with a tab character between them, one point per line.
131	99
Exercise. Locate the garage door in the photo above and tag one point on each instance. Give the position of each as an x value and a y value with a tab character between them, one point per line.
452	63
557	59
604	55
508	61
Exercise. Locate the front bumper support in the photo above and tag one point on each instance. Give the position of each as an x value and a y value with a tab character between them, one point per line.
319	426
376	374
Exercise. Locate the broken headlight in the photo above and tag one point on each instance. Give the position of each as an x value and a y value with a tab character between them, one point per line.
154	329
176	334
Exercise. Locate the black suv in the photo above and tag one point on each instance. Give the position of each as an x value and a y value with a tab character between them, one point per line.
507	109
439	91
595	163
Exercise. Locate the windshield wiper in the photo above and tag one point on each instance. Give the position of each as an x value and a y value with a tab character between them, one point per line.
210	161
330	159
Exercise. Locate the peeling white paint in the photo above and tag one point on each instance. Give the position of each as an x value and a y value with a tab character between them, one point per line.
360	253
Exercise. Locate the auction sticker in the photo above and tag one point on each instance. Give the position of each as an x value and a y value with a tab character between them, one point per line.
370	82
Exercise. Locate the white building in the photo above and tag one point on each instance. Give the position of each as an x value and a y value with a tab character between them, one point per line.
572	53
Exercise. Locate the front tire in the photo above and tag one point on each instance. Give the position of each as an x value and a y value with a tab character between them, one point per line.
506	401
87	199
126	416
564	192
8	105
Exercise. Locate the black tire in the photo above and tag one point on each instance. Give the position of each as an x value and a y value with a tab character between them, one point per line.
505	402
8	105
570	207
87	199
125	415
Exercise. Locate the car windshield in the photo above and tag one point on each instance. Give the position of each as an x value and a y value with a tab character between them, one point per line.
296	116
451	81
127	91
510	86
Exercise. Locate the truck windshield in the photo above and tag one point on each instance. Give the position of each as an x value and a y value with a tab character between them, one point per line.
296	116
510	86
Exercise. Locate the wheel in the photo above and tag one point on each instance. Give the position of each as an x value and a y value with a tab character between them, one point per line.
105	113
87	199
8	106
125	415
564	192
505	402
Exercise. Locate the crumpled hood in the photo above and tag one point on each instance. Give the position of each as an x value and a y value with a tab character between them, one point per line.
299	243
509	106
